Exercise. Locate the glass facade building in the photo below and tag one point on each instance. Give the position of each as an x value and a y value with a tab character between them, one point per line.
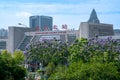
41	23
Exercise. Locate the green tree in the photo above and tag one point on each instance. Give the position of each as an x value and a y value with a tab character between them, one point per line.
94	59
19	56
86	71
9	67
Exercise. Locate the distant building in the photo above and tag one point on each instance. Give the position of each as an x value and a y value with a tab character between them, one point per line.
117	31
3	39
3	43
3	32
41	23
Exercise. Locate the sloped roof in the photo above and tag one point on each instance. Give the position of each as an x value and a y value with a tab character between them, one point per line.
93	17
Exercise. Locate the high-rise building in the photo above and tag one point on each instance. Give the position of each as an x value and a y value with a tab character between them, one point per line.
41	23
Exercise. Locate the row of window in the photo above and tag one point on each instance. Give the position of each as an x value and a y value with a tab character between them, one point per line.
2	44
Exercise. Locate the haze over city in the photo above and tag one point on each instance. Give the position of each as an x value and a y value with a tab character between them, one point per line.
70	12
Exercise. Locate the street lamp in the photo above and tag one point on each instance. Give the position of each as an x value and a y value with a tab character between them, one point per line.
22	24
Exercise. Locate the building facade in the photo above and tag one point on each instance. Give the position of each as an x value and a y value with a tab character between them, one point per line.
41	23
3	32
33	37
16	36
3	43
90	30
93	27
3	39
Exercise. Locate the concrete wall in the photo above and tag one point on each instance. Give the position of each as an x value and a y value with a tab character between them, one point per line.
90	30
100	30
15	35
83	30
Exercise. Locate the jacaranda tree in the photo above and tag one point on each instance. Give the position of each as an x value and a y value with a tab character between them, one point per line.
94	59
105	50
48	52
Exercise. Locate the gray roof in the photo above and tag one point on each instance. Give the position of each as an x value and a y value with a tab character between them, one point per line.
93	17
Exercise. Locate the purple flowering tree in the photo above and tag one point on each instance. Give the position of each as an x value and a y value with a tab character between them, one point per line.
94	59
46	51
104	50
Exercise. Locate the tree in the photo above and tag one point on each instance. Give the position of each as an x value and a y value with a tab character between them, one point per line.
48	51
19	56
104	50
86	71
94	59
10	69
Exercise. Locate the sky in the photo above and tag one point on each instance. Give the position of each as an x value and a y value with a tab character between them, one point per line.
70	12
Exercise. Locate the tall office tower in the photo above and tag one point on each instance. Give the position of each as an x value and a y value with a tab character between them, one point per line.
41	23
93	17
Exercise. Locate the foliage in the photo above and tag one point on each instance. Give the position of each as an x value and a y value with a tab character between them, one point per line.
93	59
86	71
9	68
50	68
104	50
48	51
19	56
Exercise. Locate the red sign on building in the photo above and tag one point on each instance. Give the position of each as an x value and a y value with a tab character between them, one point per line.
46	28
37	28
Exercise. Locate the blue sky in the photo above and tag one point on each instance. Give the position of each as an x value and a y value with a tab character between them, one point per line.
70	12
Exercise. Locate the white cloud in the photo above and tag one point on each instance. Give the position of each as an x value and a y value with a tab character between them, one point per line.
23	14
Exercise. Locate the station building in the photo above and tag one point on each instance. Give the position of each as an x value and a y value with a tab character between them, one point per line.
20	37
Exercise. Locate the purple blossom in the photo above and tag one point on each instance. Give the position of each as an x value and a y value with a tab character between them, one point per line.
25	52
109	38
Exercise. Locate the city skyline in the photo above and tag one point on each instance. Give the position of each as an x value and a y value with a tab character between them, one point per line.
70	12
